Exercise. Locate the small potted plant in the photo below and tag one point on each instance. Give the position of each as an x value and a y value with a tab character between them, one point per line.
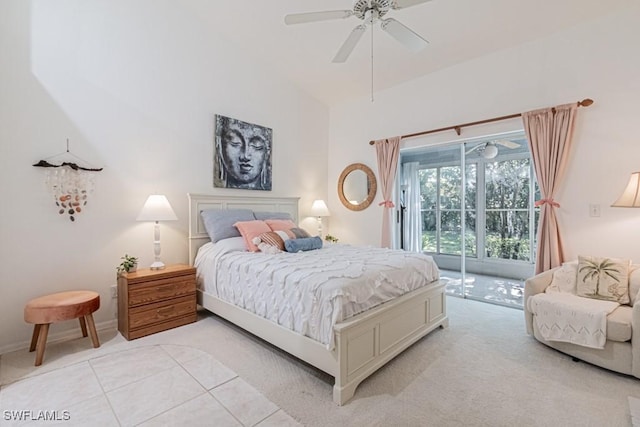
129	264
331	239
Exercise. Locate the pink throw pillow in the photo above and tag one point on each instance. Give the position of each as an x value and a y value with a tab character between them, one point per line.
280	224
251	229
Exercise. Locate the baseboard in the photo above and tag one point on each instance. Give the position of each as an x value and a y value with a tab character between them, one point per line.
58	336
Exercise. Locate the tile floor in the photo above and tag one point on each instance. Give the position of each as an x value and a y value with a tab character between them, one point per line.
155	385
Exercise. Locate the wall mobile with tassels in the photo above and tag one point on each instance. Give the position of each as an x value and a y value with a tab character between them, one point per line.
69	183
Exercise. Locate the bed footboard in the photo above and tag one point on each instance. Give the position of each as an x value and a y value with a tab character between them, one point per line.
364	343
368	341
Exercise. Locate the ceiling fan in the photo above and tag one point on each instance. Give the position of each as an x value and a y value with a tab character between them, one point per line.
489	150
369	12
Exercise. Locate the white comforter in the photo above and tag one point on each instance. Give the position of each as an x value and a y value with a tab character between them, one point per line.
309	292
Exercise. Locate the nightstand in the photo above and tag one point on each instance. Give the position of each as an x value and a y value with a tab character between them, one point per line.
151	301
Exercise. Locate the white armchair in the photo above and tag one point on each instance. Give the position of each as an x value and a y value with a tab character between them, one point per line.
621	352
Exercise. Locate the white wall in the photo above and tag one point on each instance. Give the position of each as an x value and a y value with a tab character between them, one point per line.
598	60
135	87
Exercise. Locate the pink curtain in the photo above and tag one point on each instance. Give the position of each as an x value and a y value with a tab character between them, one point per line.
549	132
387	151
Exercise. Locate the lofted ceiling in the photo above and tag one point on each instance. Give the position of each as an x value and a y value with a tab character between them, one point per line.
458	30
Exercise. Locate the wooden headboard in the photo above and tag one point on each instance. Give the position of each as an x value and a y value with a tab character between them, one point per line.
198	202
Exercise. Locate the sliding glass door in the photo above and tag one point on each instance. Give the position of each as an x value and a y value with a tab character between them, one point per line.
478	225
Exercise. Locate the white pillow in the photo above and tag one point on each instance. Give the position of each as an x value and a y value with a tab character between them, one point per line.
210	249
265	247
231	244
564	279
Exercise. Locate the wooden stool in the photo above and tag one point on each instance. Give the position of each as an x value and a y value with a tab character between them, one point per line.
52	308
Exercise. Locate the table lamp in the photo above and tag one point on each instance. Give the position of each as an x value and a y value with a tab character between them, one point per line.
319	209
157	208
630	197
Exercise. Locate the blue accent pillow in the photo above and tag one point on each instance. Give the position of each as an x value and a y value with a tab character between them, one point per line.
304	244
261	216
219	222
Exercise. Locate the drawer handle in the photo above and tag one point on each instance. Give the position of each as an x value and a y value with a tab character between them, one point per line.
165	311
165	288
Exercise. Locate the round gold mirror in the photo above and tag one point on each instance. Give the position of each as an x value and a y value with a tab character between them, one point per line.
357	187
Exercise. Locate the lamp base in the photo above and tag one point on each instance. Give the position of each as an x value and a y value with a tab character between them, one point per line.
158	265
320	227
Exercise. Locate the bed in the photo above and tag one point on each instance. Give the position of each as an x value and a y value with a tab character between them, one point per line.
357	346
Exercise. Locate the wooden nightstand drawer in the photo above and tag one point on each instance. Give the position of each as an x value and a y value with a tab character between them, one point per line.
158	290
151	301
161	312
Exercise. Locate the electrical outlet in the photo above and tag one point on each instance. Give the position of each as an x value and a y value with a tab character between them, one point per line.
114	291
594	210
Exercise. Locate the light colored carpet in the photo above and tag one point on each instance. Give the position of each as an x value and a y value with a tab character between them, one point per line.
634	409
481	371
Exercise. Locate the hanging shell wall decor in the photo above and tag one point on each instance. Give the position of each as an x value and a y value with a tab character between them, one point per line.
70	186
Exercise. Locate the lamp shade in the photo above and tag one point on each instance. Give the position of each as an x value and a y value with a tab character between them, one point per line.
630	197
319	208
157	208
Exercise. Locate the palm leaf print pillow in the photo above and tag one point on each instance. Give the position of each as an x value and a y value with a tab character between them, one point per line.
603	278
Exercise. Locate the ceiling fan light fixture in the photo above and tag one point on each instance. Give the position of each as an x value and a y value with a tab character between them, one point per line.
370	12
490	151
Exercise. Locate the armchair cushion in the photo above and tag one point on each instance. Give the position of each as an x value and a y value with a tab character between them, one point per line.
619	324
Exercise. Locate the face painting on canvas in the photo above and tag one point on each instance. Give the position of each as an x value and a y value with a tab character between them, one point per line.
242	156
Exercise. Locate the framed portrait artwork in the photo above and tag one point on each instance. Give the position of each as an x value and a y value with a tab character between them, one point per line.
242	155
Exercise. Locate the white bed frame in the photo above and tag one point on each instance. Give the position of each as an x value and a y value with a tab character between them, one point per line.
363	344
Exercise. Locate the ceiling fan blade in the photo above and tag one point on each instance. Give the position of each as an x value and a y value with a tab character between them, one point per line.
349	44
403	4
403	34
303	18
475	148
507	143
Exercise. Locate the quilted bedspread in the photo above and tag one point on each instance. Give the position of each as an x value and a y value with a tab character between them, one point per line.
309	292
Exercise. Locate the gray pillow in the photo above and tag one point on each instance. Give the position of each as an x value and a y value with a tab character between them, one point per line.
261	216
300	233
219	222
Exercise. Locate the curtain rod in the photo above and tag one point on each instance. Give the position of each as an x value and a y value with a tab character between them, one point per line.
458	128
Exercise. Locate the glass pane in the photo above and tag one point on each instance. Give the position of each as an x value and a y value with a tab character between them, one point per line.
471	186
450	184
536	215
471	234
450	232
428	187
507	184
507	235
429	239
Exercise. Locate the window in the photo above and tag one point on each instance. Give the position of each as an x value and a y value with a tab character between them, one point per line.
441	209
508	210
500	216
